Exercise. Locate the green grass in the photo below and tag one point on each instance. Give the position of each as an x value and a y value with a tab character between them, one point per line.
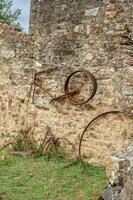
39	179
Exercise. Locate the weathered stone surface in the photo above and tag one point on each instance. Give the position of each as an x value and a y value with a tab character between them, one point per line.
89	56
112	10
78	28
63	37
129	61
91	37
6	53
127	90
2	87
88	30
111	192
92	12
121	188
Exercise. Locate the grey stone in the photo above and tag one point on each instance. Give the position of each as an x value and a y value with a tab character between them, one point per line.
129	61
127	90
41	101
89	56
78	28
123	189
111	192
6	53
92	12
88	30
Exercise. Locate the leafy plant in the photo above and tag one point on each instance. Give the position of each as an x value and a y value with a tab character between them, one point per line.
25	141
6	13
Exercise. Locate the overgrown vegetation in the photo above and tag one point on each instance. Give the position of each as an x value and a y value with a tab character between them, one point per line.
24	144
7	15
48	173
40	179
25	141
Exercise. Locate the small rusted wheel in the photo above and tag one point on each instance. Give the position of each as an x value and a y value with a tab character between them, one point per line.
71	98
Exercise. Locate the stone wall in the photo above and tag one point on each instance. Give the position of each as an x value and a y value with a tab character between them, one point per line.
16	68
70	35
94	35
121	180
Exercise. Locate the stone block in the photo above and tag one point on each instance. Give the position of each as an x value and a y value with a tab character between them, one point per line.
92	12
6	53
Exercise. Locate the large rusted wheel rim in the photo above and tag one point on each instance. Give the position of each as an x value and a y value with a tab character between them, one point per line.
93	92
86	128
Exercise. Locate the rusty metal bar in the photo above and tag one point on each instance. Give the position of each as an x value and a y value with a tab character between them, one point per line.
64	96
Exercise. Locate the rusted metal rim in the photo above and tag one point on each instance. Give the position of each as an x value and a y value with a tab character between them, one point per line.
70	97
81	138
61	138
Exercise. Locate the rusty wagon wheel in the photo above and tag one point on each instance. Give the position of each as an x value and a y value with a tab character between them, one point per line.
72	99
86	128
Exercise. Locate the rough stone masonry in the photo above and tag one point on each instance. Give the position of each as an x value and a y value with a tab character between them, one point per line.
81	34
121	183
